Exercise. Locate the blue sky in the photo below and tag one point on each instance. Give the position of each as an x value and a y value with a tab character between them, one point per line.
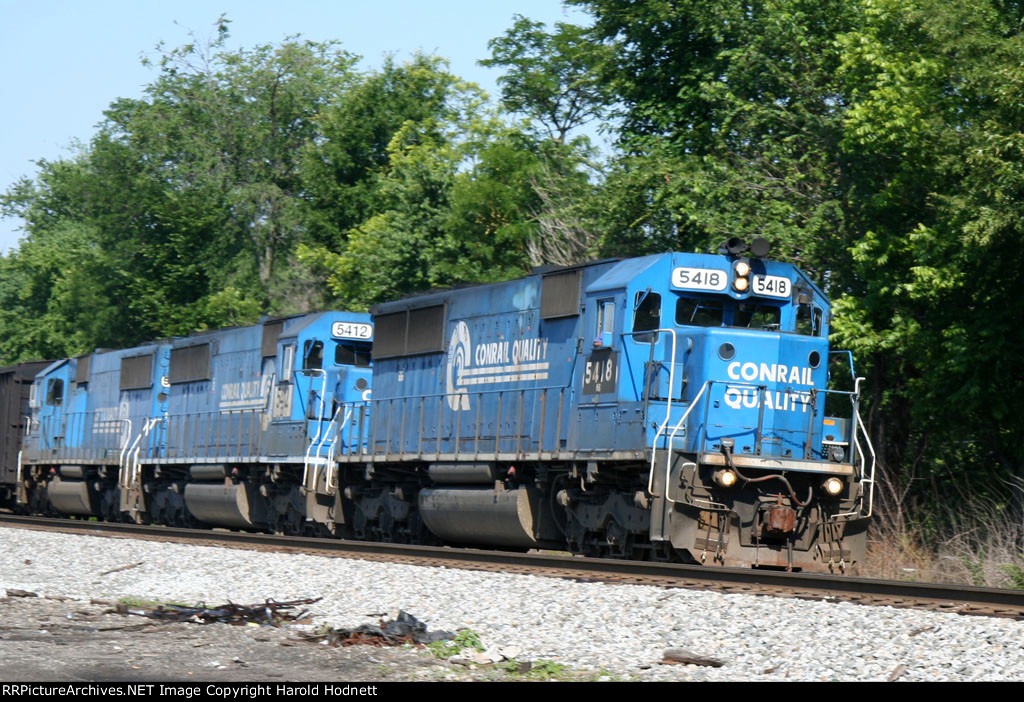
63	61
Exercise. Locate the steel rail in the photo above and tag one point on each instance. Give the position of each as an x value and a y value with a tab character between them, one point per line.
961	599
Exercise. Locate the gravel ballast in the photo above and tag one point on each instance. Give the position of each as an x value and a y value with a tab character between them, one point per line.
621	629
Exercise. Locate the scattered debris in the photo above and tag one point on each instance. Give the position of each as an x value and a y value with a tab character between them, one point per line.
269	613
11	592
403	629
124	567
680	656
897	672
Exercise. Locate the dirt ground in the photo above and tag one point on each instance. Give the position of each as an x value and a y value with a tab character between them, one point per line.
50	640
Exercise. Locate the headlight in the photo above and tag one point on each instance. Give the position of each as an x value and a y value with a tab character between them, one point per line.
724	478
833	486
741	269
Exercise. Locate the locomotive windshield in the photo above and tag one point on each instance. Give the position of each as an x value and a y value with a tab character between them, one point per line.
714	311
700	312
352	354
753	315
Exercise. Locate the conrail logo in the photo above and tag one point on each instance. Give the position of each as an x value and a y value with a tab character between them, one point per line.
786	400
495	362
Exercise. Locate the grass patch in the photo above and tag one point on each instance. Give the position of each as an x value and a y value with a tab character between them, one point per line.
464	639
149	604
970	540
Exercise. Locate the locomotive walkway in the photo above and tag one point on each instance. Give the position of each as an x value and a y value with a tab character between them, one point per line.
958	599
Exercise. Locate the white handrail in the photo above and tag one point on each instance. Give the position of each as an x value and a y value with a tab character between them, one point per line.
136	465
121	465
17	481
672	437
18	471
327	433
314	459
333	485
319	423
668	404
874	458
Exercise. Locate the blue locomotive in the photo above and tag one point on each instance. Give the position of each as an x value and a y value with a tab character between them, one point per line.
670	407
234	427
665	407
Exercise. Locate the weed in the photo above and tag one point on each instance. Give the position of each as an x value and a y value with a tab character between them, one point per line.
977	542
464	638
976	569
1015	573
139	602
540	670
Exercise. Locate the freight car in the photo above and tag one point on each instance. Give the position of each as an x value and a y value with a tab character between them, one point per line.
220	428
665	407
15	389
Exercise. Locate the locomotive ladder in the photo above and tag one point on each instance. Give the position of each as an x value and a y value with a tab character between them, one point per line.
129	475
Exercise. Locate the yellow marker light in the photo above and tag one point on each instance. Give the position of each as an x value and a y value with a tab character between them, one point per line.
833	486
742	268
741	284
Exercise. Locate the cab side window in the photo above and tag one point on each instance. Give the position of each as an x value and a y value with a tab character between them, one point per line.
55	392
606	321
646	316
288	363
808	320
312	355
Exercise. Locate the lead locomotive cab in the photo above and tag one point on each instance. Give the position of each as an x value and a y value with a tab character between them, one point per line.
746	467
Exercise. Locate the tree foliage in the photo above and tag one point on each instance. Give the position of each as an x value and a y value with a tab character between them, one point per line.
551	78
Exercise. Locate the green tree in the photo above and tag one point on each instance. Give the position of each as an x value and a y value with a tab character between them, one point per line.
454	202
878	144
731	115
550	78
936	124
187	203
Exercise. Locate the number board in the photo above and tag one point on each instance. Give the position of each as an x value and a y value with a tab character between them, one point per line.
700	279
601	372
772	286
352	330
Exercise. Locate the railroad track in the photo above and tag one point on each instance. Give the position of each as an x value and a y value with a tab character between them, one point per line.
959	599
